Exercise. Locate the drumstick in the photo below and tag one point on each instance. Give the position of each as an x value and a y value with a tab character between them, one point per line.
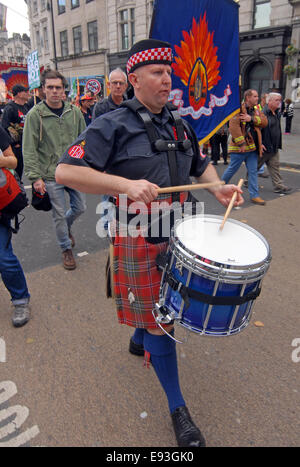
195	186
231	204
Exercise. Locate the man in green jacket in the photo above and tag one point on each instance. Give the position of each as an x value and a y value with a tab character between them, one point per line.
50	127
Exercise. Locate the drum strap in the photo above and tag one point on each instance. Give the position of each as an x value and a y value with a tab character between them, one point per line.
187	292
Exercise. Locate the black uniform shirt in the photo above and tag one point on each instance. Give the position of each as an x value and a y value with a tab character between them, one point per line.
117	143
107	105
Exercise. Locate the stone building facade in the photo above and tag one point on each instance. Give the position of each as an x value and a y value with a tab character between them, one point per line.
14	49
88	37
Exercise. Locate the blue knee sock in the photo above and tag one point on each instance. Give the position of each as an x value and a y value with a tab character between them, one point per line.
164	360
138	336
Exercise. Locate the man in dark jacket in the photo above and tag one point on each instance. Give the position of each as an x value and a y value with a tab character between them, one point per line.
117	84
272	142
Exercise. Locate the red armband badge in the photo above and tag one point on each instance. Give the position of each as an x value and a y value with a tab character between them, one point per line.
76	151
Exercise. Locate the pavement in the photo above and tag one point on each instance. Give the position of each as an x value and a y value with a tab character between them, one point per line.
80	386
290	154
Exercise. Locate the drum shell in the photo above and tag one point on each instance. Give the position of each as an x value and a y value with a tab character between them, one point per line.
215	279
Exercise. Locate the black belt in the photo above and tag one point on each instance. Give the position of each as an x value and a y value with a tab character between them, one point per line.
187	292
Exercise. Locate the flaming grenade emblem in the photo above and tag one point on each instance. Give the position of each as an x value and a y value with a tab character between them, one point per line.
197	63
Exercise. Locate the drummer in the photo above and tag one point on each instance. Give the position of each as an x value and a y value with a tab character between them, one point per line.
115	155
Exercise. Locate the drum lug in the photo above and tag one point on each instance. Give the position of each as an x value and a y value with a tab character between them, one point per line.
163	314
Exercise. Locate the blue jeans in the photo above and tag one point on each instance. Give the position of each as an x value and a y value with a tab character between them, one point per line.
63	217
11	270
250	159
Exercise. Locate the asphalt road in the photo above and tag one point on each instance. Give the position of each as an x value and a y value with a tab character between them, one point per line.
67	379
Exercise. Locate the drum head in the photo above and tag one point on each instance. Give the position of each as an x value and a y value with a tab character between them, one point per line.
237	244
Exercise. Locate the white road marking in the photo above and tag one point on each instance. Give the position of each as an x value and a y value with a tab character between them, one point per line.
2	350
7	390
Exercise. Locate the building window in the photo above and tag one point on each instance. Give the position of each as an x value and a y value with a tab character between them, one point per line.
262	14
92	29
38	40
77	40
61	6
64	43
150	5
45	37
74	3
259	78
88	1
127	28
43	5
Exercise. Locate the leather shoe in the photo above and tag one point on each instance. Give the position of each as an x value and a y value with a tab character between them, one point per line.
258	200
136	349
187	434
68	260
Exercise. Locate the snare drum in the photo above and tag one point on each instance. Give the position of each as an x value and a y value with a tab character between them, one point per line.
212	277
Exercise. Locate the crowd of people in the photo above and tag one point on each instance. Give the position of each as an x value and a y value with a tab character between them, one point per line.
255	138
103	148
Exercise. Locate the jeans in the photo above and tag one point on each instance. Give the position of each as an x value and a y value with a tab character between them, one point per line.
63	218
250	159
11	270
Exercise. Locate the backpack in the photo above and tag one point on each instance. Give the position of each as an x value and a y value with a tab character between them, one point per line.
12	198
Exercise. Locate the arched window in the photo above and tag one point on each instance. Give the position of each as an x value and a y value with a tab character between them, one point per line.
259	78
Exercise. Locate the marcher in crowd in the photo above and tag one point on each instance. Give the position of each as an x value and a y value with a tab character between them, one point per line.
38	96
13	119
245	145
117	84
10	268
272	142
86	102
288	114
220	138
50	128
262	171
119	159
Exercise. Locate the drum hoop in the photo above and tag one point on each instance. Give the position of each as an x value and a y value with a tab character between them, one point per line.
224	271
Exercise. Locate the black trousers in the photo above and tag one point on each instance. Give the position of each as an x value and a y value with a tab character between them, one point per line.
215	142
288	124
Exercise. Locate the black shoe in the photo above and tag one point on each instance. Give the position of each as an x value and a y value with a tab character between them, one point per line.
187	434
263	175
136	349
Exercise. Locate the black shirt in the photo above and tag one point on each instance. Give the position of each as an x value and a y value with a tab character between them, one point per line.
13	113
4	139
117	143
57	112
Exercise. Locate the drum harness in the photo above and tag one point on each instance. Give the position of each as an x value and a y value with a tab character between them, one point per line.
180	143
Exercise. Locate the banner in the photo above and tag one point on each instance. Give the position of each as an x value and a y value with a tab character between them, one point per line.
3	12
33	67
93	83
13	73
204	35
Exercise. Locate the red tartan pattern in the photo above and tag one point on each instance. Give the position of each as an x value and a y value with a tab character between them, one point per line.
136	274
136	277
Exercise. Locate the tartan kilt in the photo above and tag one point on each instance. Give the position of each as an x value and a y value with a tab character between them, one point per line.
136	280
